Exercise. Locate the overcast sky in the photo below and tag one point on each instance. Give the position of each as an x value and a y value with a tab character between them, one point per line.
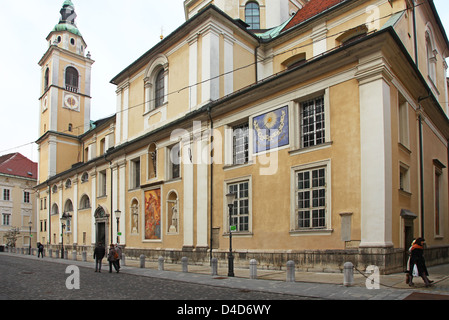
117	32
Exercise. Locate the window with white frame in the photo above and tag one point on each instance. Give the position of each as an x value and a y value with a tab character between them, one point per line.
6	219
102	183
26	197
135	173
240	217
312	122
240	144
6	195
403	122
311	198
174	162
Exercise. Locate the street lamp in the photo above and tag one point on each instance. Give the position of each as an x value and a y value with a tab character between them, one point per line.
30	224
117	216
230	197
65	216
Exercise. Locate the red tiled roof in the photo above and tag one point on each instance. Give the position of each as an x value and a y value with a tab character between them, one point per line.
16	164
311	9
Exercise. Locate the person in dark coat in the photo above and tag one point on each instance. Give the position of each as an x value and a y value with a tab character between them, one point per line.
99	253
112	258
417	258
40	248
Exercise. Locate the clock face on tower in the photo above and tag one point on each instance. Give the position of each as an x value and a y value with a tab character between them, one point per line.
71	101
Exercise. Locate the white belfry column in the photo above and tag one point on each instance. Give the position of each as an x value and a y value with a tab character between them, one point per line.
93	203
376	158
187	178
202	194
121	190
75	211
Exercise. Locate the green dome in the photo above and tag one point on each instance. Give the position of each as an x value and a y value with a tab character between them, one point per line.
67	27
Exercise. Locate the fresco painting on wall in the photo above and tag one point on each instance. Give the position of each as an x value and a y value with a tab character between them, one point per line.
153	214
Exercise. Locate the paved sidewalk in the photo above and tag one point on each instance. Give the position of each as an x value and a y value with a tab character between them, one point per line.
328	286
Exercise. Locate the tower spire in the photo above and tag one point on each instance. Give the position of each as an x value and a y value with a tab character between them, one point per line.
68	14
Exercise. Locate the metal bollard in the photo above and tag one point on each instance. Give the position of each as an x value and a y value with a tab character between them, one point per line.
142	261
184	262
253	269
160	263
348	271
214	267
290	271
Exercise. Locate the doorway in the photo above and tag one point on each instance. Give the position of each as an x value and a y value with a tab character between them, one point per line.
101	233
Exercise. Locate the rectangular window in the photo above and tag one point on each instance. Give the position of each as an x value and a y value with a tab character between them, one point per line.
310	199
6	195
26	197
174	162
403	122
312	122
6	219
240	210
135	173
240	144
102	184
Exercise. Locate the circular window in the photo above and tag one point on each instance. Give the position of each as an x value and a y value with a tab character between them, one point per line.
72	41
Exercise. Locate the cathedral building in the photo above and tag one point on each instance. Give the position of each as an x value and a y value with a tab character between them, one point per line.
323	123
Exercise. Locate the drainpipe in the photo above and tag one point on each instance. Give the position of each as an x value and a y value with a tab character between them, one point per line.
414	35
421	162
211	181
421	173
257	62
112	209
49	214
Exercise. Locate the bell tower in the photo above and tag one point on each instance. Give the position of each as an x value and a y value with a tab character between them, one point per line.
65	96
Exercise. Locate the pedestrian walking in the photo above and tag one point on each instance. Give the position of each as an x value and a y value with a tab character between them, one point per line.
119	253
40	250
112	258
99	253
417	258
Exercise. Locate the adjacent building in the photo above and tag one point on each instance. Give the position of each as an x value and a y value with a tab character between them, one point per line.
18	204
326	119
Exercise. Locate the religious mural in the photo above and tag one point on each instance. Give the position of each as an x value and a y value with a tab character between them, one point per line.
271	130
153	214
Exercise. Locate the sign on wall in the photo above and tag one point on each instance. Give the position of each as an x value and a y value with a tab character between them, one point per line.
271	130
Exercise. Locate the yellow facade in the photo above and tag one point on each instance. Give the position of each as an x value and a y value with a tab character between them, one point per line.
356	187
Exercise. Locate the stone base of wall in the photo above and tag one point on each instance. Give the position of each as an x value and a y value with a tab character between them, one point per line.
388	260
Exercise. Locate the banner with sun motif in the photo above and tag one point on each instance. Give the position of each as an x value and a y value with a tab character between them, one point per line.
271	130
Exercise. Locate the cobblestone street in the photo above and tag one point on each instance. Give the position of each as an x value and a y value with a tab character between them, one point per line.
25	279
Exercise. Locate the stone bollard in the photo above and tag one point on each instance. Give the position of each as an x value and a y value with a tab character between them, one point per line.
66	254
290	271
160	261
74	255
184	262
50	252
348	272
123	262
142	261
84	256
253	269
214	267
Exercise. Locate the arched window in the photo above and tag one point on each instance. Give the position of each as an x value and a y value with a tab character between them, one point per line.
68	207
85	202
85	177
46	79
71	79
252	15
159	89
431	57
54	209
